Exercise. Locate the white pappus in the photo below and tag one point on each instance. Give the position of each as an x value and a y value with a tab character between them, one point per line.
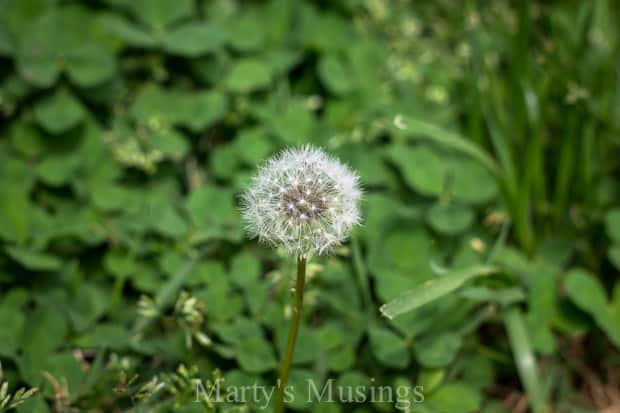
302	200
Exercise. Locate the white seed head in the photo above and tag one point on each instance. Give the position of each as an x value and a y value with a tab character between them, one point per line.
302	200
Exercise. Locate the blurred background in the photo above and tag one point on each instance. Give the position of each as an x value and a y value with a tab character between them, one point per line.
485	133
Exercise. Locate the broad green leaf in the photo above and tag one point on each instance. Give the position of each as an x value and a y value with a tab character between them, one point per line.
541	335
335	75
160	13
12	322
16	174
542	304
224	161
364	57
423	169
47	331
341	358
370	166
248	75
33	260
44	51
237	331
240	379
329	335
404	251
433	289
256	355
157	106
18	15
225	303
154	105
214	214
245	268
59	112
169	142
299	381
307	347
470	182
88	305
110	197
126	31
256	294
37	61
454	397
278	18
437	350
27	139
202	109
589	295
479	371
194	39
121	264
390	349
294	124
586	291
282	60
57	170
15	216
325	32
408	396
247	33
168	221
89	65
105	335
253	146
209	272
430	379
352	379
450	219
380	211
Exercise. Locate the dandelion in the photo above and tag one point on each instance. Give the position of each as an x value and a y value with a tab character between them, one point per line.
306	202
302	200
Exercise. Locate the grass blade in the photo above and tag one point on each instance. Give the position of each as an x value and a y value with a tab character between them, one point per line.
434	289
425	130
524	357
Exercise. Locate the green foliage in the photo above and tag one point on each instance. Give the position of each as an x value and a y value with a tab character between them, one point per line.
11	401
589	295
486	138
433	289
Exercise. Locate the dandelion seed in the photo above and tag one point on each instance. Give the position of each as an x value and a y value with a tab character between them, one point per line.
302	200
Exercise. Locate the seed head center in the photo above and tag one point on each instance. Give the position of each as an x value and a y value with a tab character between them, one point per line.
303	201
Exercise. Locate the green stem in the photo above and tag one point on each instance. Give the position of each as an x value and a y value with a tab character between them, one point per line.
292	334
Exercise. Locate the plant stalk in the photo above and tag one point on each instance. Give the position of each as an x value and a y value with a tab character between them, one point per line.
292	334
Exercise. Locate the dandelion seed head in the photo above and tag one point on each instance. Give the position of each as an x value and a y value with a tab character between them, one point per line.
302	200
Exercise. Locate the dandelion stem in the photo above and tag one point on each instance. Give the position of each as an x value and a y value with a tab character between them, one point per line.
292	334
